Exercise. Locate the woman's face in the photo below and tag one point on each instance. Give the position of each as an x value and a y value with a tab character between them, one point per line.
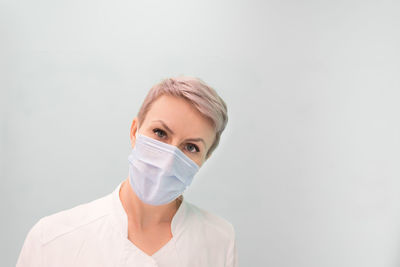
175	121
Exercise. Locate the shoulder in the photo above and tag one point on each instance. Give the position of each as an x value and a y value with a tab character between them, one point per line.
212	222
69	220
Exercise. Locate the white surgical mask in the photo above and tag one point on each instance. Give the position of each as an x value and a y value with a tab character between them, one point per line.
159	172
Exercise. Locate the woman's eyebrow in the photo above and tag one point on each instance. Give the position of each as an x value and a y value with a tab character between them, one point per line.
163	124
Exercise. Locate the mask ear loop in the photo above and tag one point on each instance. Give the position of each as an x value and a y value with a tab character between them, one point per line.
137	133
137	130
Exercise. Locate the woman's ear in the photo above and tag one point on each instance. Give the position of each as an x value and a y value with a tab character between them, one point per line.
133	131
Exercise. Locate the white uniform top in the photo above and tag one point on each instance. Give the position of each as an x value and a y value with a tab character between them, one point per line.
95	234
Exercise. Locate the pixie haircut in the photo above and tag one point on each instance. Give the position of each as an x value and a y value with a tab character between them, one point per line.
204	98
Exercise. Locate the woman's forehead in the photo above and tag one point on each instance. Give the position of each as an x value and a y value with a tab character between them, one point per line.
175	111
172	104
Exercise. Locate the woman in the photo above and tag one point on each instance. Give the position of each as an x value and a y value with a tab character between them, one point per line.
146	221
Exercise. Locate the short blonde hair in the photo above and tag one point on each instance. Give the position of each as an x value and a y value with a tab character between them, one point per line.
204	98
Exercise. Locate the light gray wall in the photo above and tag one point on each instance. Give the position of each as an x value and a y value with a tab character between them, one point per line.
308	168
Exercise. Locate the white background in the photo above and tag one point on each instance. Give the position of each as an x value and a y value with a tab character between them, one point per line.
308	167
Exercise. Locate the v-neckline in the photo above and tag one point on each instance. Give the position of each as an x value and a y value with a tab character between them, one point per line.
130	244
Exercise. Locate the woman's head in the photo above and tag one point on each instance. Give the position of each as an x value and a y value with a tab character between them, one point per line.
185	112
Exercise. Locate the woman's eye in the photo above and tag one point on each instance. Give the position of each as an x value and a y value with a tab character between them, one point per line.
160	133
192	148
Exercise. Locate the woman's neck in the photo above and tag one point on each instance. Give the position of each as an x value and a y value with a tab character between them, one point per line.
142	215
